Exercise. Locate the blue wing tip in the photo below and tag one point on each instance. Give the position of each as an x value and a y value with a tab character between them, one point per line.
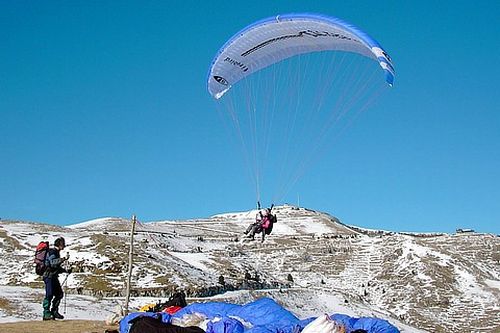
389	78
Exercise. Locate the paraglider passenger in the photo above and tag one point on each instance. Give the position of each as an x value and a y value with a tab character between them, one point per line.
53	290
262	222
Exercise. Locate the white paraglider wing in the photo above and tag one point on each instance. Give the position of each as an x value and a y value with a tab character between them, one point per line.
274	39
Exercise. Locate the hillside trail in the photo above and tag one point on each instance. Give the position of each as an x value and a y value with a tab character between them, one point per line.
67	326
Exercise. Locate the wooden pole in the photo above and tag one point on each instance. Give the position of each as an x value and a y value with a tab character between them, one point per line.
130	261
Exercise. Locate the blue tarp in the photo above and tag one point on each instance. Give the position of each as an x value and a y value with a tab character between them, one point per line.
265	316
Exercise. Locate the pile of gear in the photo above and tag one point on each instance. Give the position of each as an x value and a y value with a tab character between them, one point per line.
261	316
176	302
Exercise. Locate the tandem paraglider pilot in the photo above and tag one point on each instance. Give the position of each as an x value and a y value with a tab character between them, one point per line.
50	270
264	221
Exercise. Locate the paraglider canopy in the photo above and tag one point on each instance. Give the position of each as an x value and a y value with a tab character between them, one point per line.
290	85
276	38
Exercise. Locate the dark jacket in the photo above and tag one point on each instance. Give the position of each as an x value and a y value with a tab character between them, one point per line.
53	262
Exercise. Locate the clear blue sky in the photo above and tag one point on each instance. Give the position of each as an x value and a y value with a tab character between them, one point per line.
104	112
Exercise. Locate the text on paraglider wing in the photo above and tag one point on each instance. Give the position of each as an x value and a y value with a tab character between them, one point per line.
236	63
310	33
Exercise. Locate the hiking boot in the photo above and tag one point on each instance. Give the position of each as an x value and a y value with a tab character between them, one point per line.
55	309
48	316
57	315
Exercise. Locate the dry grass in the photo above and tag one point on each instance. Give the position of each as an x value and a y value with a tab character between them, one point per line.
10	243
6	305
67	326
98	282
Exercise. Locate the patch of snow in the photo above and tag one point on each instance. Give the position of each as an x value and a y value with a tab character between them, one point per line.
198	260
91	223
30	301
492	283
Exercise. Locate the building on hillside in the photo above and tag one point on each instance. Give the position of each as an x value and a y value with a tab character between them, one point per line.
464	231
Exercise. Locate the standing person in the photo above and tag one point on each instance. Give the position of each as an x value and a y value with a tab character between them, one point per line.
53	290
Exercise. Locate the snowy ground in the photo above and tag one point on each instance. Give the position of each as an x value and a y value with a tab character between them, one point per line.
26	304
439	283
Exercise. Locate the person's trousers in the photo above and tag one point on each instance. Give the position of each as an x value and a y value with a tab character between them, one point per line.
53	293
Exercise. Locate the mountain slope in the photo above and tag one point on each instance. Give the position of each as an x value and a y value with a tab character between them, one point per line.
435	282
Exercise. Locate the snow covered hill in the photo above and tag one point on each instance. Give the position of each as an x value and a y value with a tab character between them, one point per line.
311	263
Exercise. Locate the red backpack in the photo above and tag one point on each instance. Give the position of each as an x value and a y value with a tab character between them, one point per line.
40	255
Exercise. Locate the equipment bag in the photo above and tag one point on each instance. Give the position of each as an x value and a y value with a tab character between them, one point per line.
40	255
272	221
152	325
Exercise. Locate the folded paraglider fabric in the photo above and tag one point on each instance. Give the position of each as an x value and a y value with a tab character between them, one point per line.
371	325
265	316
227	325
323	324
